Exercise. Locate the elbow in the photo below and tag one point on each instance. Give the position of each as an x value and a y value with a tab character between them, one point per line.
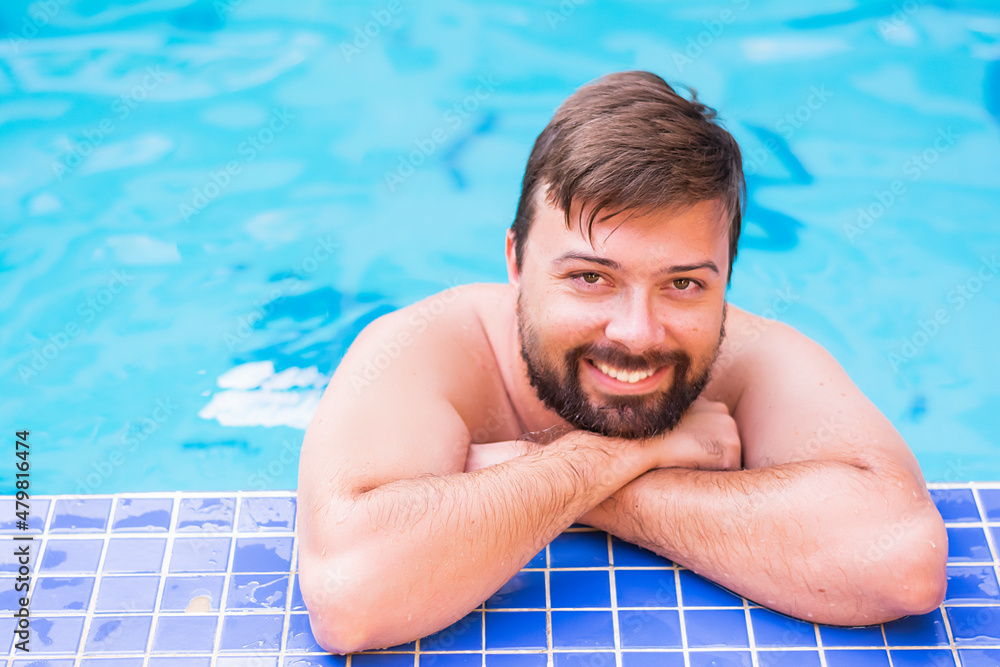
337	622
921	576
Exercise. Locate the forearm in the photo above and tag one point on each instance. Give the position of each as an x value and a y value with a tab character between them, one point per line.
820	540
426	551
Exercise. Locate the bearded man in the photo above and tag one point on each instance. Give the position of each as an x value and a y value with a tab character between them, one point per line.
607	384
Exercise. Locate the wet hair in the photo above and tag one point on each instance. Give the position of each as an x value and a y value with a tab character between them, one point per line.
628	141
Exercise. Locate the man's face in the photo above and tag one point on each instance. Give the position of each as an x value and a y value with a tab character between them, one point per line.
619	336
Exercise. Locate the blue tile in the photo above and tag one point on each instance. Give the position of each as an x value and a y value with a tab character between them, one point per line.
451	659
516	660
10	597
263	554
538	560
583	629
80	516
525	590
645	588
134	555
181	592
205	514
991	503
72	556
709	628
922	630
381	660
178	661
589	549
185	634
255	591
251	631
56	634
866	635
974	626
263	514
857	658
147	515
200	554
584	659
298	604
972	583
37	510
61	593
696	591
47	662
788	659
300	636
721	659
968	544
111	662
649	628
246	661
652	659
465	634
118	634
774	629
327	660
627	554
976	657
922	658
515	630
123	593
955	504
580	588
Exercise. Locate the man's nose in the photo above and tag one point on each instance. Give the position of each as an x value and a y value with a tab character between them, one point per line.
634	324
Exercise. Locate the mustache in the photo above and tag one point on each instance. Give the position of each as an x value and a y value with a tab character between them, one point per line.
625	360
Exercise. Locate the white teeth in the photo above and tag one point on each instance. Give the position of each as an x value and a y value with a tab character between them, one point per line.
624	376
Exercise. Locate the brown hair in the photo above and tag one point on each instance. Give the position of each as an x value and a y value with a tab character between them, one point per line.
629	141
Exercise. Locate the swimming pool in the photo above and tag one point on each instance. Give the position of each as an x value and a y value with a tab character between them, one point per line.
203	202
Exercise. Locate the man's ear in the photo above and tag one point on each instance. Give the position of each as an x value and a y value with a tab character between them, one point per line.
510	251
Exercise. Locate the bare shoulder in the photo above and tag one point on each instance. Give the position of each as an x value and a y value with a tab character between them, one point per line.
795	402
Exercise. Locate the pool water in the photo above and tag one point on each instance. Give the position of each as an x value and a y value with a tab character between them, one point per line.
203	202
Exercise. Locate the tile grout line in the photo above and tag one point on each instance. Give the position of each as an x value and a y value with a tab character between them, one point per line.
615	624
224	598
98	577
680	616
175	510
550	658
750	636
293	570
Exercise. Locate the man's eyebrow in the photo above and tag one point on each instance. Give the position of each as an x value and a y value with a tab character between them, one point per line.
612	264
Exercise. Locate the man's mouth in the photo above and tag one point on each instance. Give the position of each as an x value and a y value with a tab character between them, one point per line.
630	377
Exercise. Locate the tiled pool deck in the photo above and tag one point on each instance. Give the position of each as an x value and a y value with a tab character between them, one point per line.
195	580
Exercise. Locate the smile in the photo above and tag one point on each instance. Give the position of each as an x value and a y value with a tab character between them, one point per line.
621	375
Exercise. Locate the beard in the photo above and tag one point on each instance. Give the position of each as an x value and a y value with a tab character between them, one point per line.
630	416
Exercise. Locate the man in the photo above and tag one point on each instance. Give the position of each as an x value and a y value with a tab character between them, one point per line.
607	384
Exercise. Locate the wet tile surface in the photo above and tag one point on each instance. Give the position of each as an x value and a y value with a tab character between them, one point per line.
195	580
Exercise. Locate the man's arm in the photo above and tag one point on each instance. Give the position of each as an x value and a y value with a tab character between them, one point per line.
396	540
830	521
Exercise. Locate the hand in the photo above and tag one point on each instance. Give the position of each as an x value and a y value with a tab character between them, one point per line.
705	439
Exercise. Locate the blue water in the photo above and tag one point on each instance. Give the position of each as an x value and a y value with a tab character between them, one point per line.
203	202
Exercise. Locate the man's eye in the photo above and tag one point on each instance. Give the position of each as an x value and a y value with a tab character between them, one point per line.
682	283
590	278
